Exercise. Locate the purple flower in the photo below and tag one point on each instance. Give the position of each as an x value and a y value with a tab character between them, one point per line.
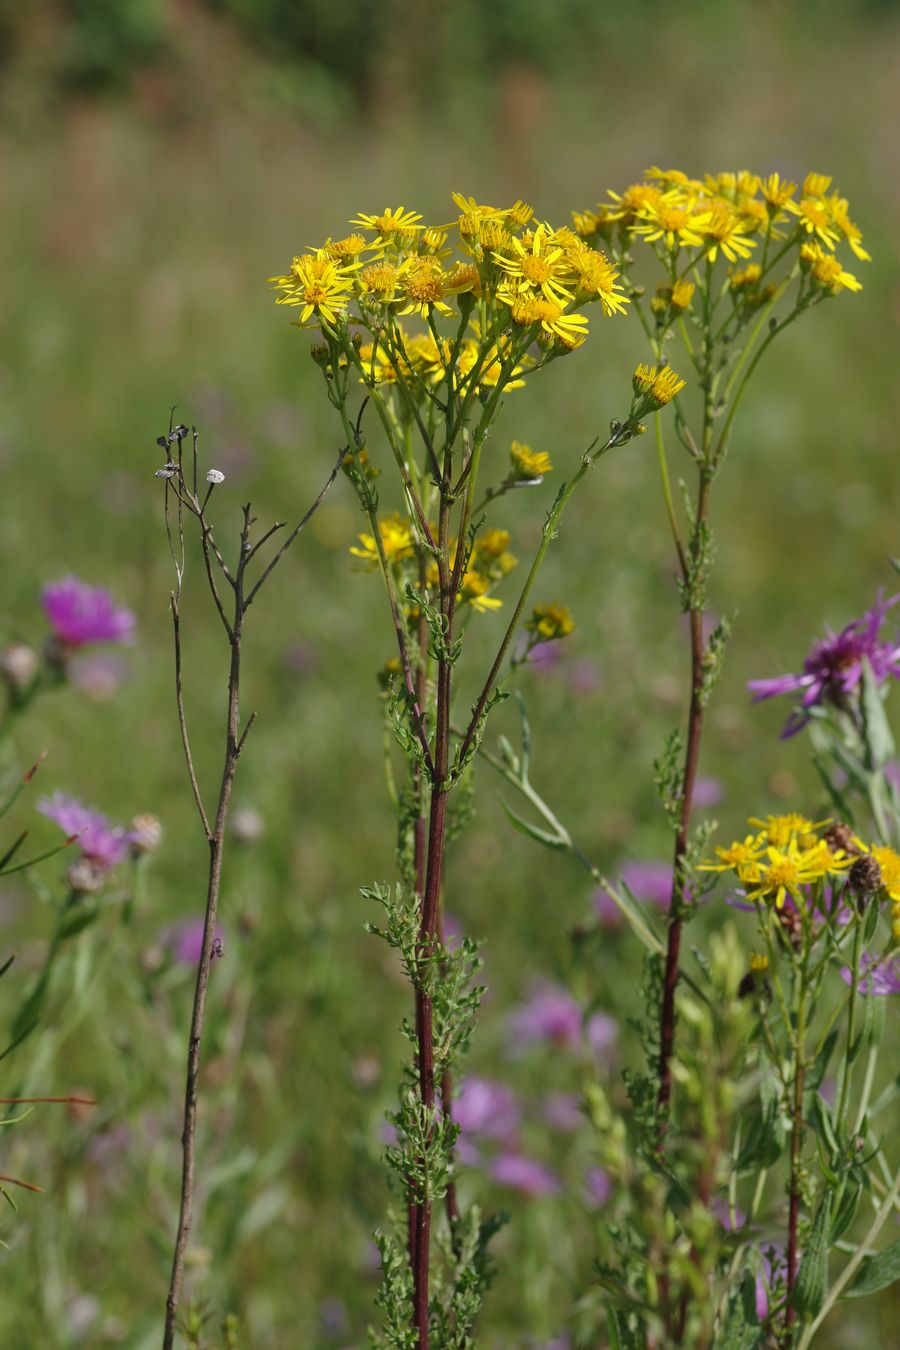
98	674
524	1174
487	1108
707	792
80	614
544	657
597	1187
649	882
834	666
552	1014
185	941
99	839
562	1111
883	977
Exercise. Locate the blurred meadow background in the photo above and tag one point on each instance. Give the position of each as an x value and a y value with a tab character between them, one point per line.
160	159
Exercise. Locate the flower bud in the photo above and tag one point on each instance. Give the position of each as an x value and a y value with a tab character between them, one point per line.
18	665
86	877
864	879
145	834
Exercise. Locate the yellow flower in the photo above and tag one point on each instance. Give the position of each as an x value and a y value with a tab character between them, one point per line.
527	463
839	206
390	221
633	201
519	214
495	358
672	222
529	310
379	282
586	223
426	358
598	279
345	250
726	230
473	592
549	622
777	191
816	185
759	962
889	862
745	278
421	282
538	265
826	271
319	285
682	294
492	543
469	207
779	830
741	858
659	387
815	218
396	540
786	871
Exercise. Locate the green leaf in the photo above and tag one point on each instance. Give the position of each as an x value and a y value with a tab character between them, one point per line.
740	1328
846	1211
816	1072
811	1287
876	731
533	831
876	1272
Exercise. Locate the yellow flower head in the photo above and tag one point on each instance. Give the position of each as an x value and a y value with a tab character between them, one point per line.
786	871
421	281
550	622
746	278
825	270
657	387
672	222
379	282
779	830
538	266
319	285
777	191
726	230
759	962
598	279
839	207
473	591
816	185
390	222
742	858
396	541
527	463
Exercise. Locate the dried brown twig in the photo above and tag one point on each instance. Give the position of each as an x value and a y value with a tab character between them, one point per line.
242	593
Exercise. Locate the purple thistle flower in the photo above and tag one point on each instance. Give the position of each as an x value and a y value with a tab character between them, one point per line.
834	667
552	1015
878	977
98	838
80	614
185	941
487	1108
597	1187
524	1174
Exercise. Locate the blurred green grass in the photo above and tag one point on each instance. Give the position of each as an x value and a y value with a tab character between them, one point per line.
136	240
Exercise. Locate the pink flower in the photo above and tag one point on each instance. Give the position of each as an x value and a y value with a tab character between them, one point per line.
879	977
597	1187
484	1107
80	614
551	1014
99	839
185	941
524	1174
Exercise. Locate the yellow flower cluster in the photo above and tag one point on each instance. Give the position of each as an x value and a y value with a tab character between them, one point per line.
785	854
549	622
510	274
689	219
489	562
